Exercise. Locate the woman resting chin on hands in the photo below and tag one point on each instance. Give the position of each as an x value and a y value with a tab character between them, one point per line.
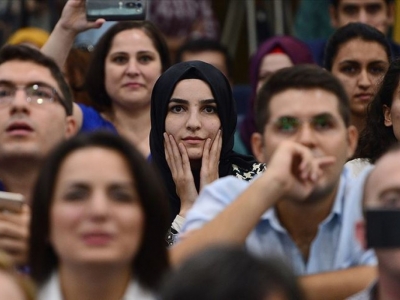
193	121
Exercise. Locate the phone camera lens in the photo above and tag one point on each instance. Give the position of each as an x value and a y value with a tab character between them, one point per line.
130	5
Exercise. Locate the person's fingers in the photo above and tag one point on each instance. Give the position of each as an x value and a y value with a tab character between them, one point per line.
10	230
185	159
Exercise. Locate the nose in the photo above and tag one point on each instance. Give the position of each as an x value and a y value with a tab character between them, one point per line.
306	135
98	207
364	81
19	102
193	122
363	16
132	68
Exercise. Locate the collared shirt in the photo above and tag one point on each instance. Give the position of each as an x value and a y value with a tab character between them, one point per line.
51	290
334	247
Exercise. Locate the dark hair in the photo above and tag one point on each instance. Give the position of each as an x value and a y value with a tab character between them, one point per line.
24	53
335	3
152	259
230	273
350	32
205	44
96	73
376	138
299	77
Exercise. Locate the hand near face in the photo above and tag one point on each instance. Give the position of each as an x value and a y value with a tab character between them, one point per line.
73	17
210	160
295	169
179	164
14	234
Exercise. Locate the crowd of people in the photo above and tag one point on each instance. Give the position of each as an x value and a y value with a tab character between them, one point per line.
143	177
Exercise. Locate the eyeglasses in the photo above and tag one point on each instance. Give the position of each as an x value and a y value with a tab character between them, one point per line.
291	125
37	94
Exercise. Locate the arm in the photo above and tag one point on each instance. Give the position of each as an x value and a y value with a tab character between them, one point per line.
238	219
337	285
72	21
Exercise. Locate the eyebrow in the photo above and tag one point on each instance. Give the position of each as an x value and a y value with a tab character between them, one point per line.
321	115
182	101
351	61
7	82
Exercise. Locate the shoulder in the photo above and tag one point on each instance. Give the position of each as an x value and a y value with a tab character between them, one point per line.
50	290
136	292
356	166
248	173
92	120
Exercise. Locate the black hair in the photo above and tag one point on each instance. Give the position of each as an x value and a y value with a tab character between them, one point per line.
299	77
335	3
96	73
350	32
206	44
25	53
152	259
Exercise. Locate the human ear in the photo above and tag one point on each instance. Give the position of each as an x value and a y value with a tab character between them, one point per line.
390	13
387	116
257	146
333	14
71	127
352	140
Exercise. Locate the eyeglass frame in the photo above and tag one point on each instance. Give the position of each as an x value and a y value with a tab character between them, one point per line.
55	95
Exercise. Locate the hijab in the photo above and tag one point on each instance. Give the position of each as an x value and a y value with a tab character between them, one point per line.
226	109
298	53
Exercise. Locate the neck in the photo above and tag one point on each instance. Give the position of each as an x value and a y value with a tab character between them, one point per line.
388	286
134	125
19	176
358	122
302	218
93	283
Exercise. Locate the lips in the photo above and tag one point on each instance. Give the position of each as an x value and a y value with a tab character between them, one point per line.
193	140
19	128
364	97
132	85
97	238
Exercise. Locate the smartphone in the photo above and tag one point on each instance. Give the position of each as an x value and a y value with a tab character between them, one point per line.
11	202
115	10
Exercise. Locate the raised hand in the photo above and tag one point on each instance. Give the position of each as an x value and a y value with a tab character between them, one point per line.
14	234
179	164
210	160
295	168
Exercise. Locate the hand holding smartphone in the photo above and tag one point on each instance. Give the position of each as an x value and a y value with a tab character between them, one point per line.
11	202
115	10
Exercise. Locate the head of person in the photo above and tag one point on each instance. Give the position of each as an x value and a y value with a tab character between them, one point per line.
272	55
382	129
191	101
381	203
307	105
29	36
358	55
376	13
13	285
125	64
230	273
208	50
91	214
35	104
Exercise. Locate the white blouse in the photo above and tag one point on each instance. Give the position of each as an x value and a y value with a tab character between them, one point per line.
51	290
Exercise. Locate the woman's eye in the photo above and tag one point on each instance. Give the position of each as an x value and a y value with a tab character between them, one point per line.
176	109
210	109
122	196
145	59
377	70
349	70
76	194
120	59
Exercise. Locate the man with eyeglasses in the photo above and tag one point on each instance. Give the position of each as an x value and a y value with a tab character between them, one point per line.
299	207
35	115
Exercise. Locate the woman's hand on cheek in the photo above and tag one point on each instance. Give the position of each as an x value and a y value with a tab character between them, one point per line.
210	160
179	164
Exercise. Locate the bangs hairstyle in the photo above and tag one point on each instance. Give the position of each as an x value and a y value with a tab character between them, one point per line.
96	74
28	54
299	77
151	260
350	32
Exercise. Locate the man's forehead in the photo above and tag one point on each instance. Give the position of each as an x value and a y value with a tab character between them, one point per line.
22	72
307	102
360	2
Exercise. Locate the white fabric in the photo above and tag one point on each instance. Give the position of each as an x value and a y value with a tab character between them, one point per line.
51	290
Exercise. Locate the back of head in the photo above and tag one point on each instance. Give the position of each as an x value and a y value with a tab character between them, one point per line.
202	45
227	273
350	32
300	77
24	53
29	36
